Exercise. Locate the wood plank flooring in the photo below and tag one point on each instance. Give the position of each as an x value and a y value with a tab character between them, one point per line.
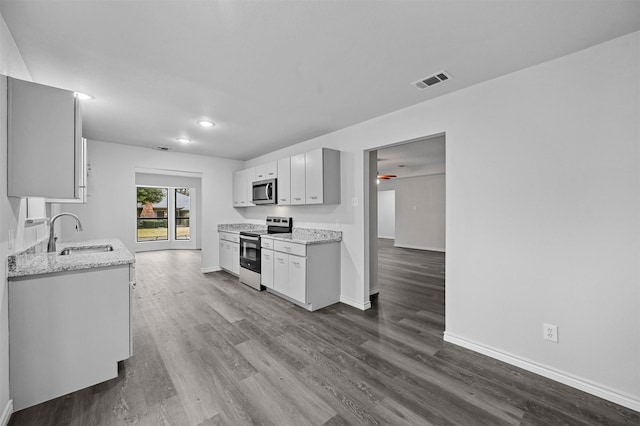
210	351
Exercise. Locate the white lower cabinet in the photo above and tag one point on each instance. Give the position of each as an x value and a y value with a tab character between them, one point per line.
267	267
229	255
308	275
225	255
67	331
235	258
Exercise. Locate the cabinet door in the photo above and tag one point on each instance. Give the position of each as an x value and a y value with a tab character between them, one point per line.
272	170
239	189
298	179
297	278
225	255
267	268
280	272
314	178
43	141
261	172
235	258
284	181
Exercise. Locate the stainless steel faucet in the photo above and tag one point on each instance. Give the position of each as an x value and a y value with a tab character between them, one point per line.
51	247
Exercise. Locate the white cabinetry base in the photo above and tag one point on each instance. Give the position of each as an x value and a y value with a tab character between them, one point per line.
67	331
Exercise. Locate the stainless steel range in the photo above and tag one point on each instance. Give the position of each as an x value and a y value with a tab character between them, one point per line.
250	249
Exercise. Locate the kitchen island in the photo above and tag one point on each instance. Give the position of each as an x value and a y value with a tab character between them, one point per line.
70	318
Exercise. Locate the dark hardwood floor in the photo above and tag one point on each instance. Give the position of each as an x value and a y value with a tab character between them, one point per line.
210	351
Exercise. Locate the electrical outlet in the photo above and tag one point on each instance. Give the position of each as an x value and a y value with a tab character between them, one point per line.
550	332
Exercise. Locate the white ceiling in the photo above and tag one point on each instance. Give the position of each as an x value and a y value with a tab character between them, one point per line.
274	73
417	158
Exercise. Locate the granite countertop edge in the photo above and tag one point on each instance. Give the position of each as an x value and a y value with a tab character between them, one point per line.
305	236
306	239
29	264
236	228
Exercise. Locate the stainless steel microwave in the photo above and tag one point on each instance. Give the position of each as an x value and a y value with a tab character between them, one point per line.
264	192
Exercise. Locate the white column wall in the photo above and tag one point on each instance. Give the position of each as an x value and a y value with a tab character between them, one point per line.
13	234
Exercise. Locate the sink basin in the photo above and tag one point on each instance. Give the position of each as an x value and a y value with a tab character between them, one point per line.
86	250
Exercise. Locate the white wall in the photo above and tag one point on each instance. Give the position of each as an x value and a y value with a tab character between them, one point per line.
543	200
11	209
387	214
110	208
420	211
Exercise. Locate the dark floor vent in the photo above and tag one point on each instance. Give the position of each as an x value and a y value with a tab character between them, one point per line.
431	80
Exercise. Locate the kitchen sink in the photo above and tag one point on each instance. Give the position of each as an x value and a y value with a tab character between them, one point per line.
86	249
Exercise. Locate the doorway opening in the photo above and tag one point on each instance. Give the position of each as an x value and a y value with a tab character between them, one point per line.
405	219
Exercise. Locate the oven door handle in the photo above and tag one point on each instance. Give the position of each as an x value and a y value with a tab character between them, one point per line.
247	237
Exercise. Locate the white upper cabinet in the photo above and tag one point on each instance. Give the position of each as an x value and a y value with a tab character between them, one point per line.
267	171
322	176
239	189
309	178
284	181
261	172
45	157
272	170
298	179
243	187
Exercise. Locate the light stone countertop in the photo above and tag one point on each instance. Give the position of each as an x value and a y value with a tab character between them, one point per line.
236	228
27	263
308	236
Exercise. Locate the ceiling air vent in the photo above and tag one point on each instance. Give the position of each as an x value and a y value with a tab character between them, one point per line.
434	79
163	148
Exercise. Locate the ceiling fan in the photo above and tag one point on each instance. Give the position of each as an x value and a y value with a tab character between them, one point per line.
385	177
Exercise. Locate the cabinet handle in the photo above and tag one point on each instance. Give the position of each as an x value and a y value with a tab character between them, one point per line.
281	260
287	248
314	197
297	198
271	174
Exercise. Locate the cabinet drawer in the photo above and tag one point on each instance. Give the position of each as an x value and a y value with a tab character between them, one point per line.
266	243
292	248
228	236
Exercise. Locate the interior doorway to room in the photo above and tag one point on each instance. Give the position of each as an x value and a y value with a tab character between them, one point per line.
406	220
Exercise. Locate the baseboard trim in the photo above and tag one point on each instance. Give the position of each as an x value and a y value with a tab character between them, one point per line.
210	269
6	414
373	291
441	250
548	372
356	304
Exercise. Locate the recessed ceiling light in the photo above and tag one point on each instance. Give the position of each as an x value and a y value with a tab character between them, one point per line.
83	96
206	123
183	140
